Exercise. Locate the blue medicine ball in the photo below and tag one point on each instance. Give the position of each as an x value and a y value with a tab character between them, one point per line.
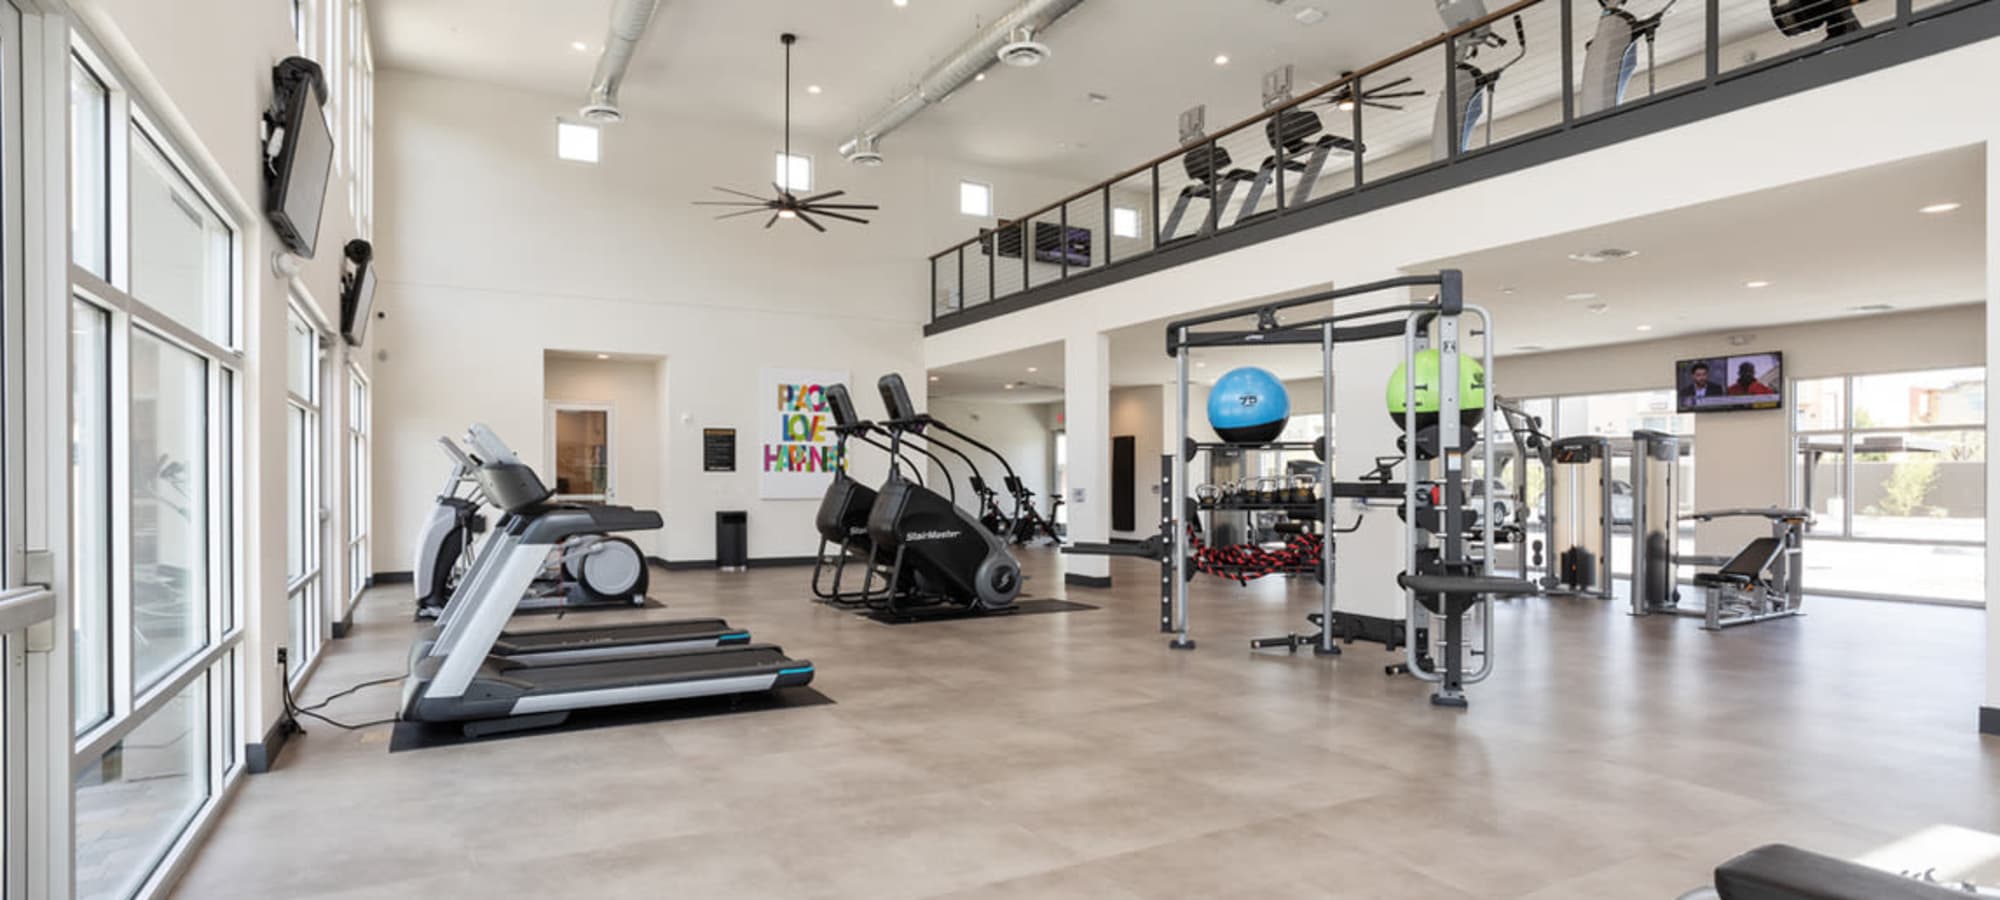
1249	406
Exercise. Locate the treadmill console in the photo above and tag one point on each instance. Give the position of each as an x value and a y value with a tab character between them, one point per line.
896	398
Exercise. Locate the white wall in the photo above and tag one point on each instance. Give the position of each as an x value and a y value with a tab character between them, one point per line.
1742	458
496	251
1019	431
203	69
632	388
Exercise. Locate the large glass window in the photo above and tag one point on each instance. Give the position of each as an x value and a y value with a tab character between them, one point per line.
1893	467
152	469
133	802
180	248
170	503
302	477
90	171
358	485
90	513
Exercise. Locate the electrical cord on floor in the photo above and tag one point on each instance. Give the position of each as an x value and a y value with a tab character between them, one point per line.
295	711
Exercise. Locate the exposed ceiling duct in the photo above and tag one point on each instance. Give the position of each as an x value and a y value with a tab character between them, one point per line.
1009	39
629	19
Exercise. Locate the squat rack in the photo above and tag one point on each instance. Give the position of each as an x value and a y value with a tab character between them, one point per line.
1444	578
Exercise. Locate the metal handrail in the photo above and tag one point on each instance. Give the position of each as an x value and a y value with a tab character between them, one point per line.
25	606
1307	97
1903	16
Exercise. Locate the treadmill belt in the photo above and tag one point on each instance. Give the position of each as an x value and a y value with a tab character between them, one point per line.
700	665
515	643
425	735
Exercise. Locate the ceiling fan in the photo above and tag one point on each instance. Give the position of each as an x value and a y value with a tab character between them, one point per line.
788	205
1344	97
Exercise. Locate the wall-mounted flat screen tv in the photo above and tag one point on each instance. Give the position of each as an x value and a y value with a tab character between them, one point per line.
301	158
1053	244
1733	382
357	292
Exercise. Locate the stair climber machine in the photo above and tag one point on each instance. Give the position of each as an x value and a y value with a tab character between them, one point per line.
587	572
463	671
842	520
1467	99
941	560
1409	572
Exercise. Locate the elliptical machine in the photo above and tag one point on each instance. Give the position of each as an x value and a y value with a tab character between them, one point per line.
941	560
1473	88
586	572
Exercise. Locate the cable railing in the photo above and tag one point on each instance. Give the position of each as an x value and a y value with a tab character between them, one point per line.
1495	80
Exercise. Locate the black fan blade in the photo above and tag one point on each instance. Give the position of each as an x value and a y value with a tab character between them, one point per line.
783	193
1389	106
1397	95
821	211
1388	85
738	193
747	212
801	214
862	206
818	197
761	204
774	221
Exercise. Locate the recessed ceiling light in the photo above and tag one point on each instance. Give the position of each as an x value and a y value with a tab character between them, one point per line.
1936	208
1508	291
1009	385
1598	307
934	378
578	46
1645	328
1222	59
1607	254
1096	97
812	89
1582	295
1756	284
1311	15
979	77
1201	365
1032	370
603	356
900	3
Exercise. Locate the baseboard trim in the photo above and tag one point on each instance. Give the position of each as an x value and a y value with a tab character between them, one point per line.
1089	581
767	562
344	625
390	578
1989	720
259	757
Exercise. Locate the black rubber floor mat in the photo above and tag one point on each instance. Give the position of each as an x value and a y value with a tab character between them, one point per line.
1021	608
425	735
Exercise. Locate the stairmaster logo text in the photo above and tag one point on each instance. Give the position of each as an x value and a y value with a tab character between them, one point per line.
939	535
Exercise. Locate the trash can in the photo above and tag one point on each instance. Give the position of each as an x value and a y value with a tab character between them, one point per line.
732	540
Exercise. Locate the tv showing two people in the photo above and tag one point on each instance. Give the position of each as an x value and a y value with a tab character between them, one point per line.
1749	381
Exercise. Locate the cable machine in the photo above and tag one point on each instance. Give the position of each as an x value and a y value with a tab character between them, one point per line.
1440	402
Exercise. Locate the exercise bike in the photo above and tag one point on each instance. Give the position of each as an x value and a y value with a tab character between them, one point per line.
585	572
1030	525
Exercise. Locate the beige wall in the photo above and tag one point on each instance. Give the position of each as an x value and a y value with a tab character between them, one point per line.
1019	431
632	389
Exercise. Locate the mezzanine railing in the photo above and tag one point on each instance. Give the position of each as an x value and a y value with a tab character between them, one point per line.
1517	74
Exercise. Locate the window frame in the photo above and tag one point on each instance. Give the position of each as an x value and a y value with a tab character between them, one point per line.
218	660
360	482
1848	433
306	592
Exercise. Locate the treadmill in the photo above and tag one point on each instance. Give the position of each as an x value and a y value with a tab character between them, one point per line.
460	678
575	644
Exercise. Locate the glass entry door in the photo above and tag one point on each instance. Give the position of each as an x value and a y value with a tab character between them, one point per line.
579	451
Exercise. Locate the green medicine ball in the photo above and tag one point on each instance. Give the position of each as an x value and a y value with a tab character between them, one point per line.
1471	390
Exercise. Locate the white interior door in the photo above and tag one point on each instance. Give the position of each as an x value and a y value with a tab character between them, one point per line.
578	450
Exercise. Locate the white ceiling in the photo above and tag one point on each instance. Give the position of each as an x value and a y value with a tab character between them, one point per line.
1826	246
712	60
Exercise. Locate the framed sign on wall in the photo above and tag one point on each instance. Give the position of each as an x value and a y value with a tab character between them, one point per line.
718	449
799	454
